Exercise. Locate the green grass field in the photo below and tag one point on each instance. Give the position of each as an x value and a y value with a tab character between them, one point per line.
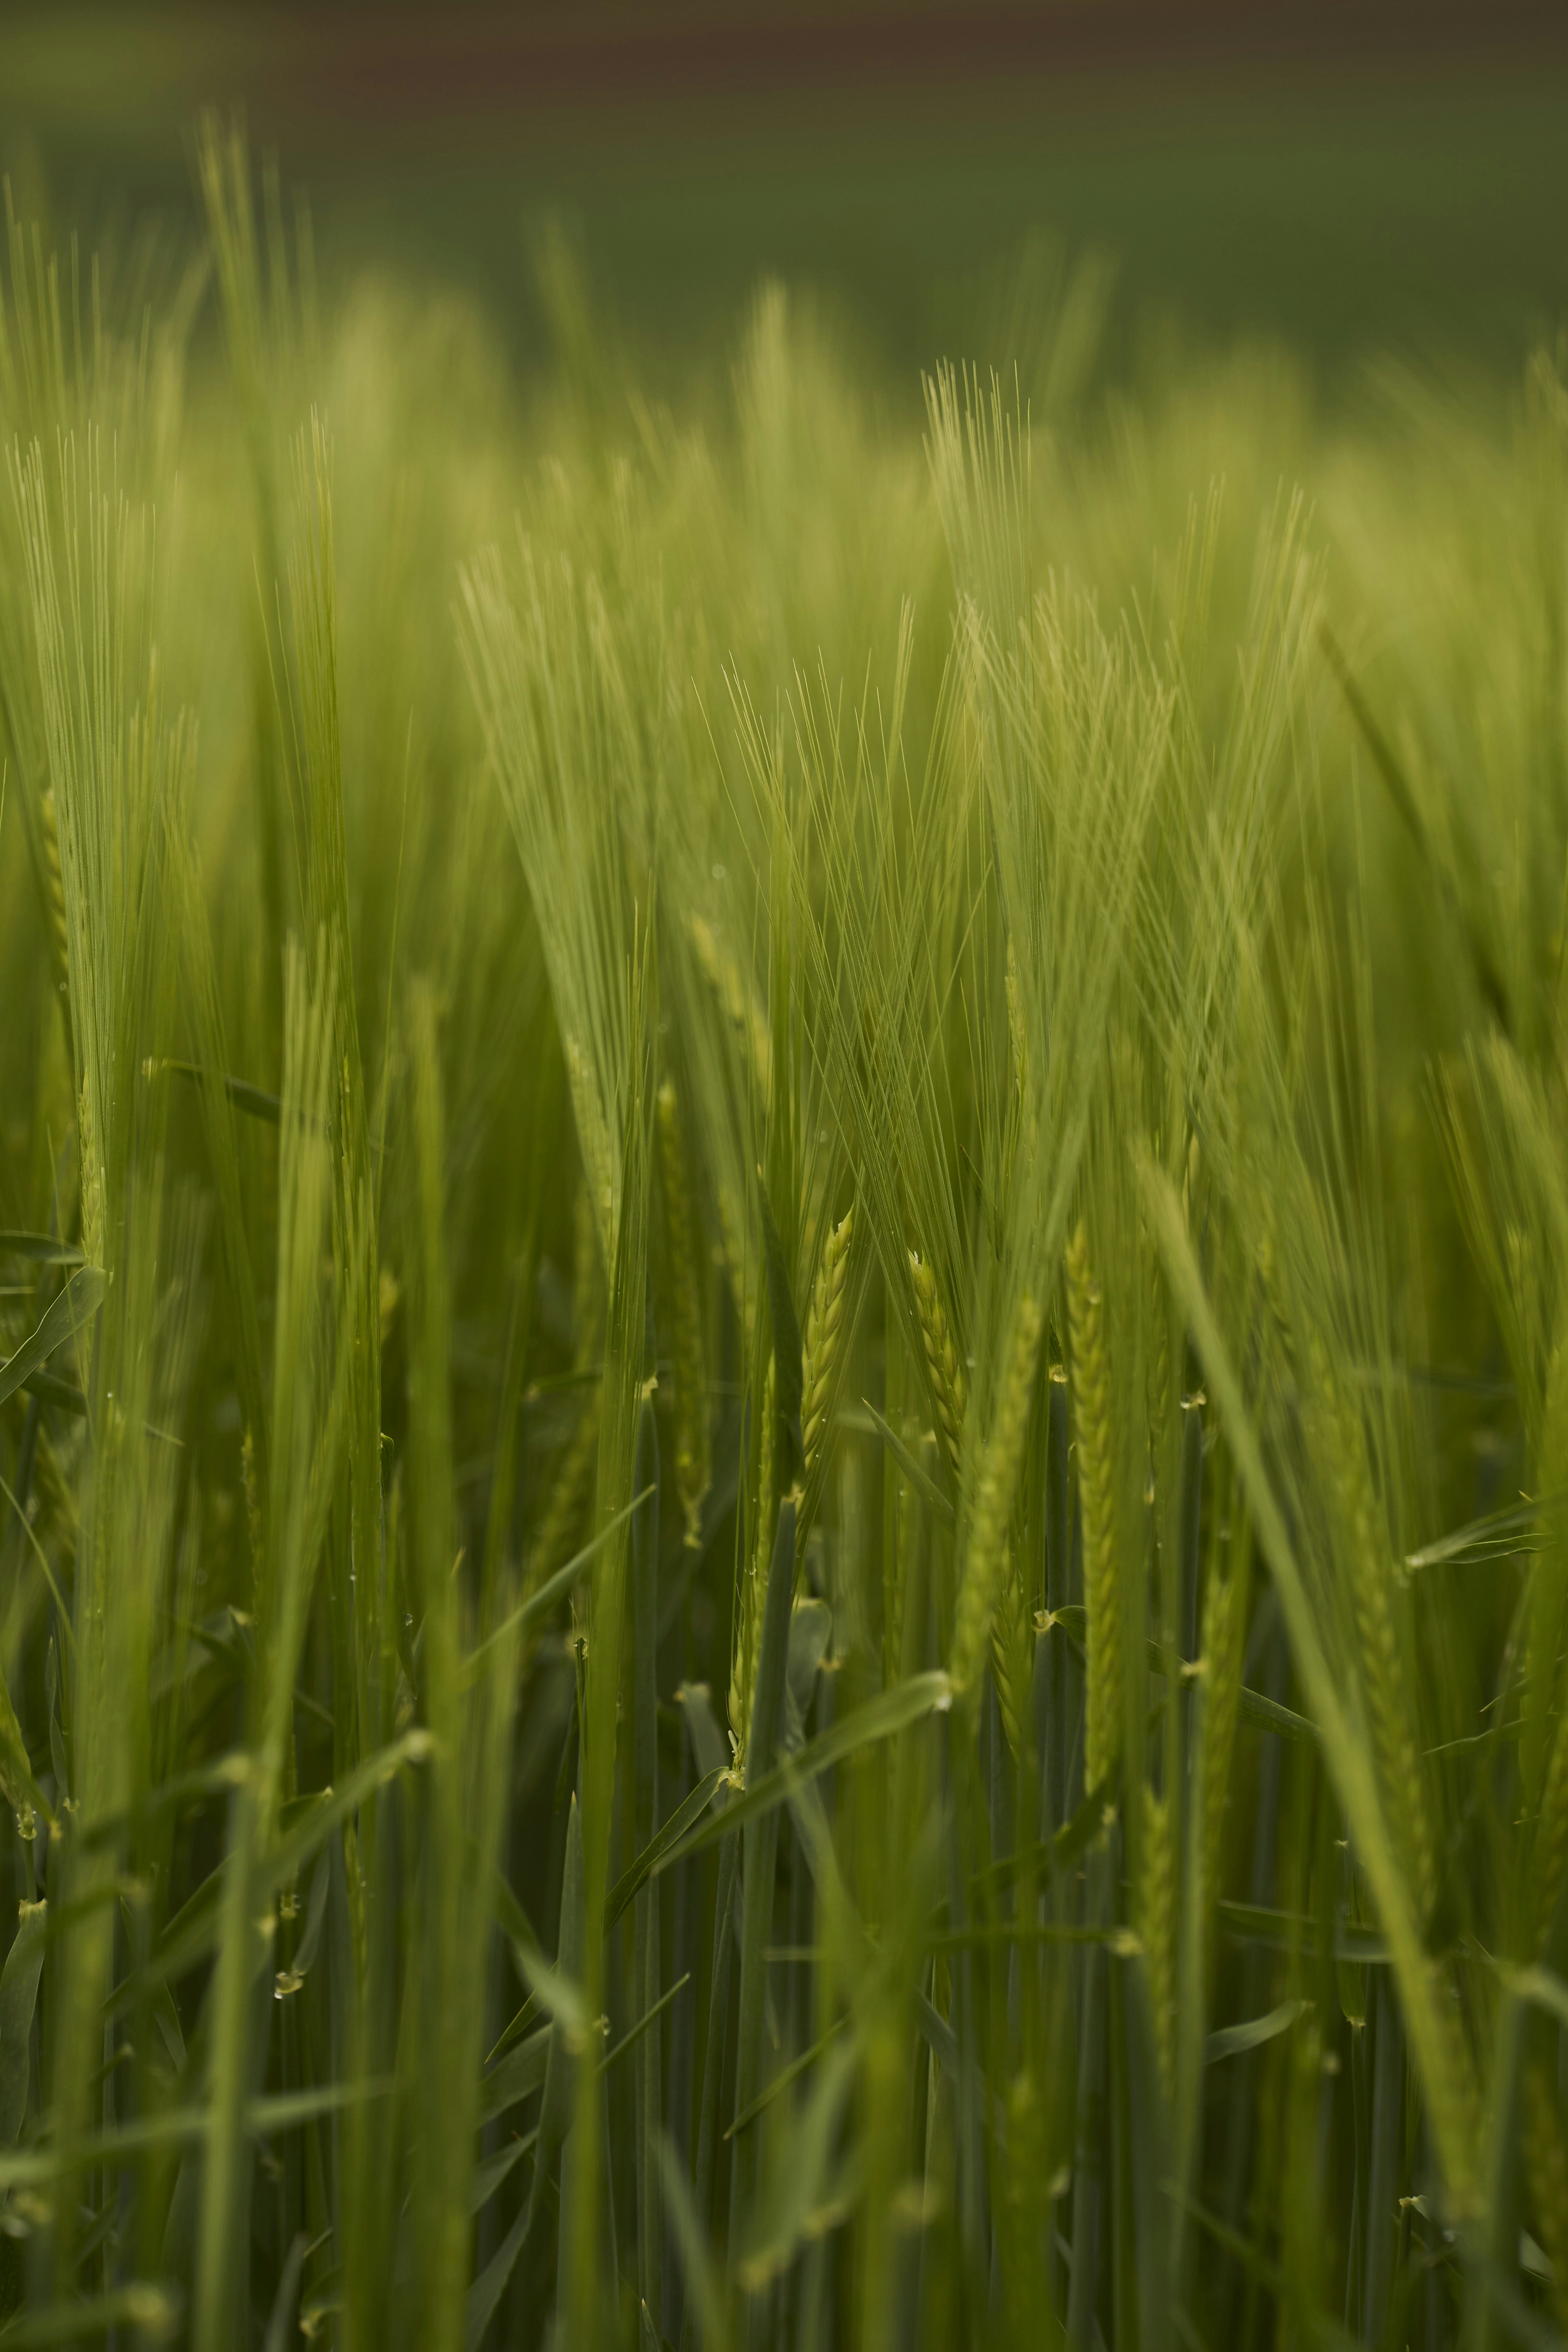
783	1318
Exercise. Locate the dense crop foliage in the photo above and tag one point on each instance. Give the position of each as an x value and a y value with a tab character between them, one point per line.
785	1323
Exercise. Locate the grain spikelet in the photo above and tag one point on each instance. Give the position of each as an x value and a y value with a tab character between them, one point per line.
737	1003
252	1501
594	1134
1158	1371
692	1463
91	1179
949	1389
752	1594
55	913
1097	1505
1157	1928
1017	1037
1012	1651
823	1327
1388	1703
978	1591
1224	1640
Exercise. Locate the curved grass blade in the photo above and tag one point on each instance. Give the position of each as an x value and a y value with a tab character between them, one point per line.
925	1486
42	1249
77	1304
20	1789
550	1593
1486	1539
18	1999
1230	2041
1266	1713
654	1854
891	1711
151	2308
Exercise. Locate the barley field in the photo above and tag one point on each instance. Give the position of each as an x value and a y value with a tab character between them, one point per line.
783	1430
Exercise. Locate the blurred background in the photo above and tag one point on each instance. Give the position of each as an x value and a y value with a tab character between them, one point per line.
1342	178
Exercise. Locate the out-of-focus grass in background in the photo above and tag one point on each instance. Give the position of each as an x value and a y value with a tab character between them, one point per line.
1343	180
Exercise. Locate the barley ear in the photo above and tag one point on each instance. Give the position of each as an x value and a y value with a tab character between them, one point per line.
594	1140
1159	1366
55	915
1224	1641
978	1590
949	1389
252	1507
1012	1649
823	1325
737	1002
692	1459
89	1181
1389	1709
752	1597
1097	1507
1017	1037
1274	1291
1157	1929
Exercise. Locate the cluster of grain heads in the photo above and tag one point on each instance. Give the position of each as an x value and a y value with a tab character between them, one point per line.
400	1952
